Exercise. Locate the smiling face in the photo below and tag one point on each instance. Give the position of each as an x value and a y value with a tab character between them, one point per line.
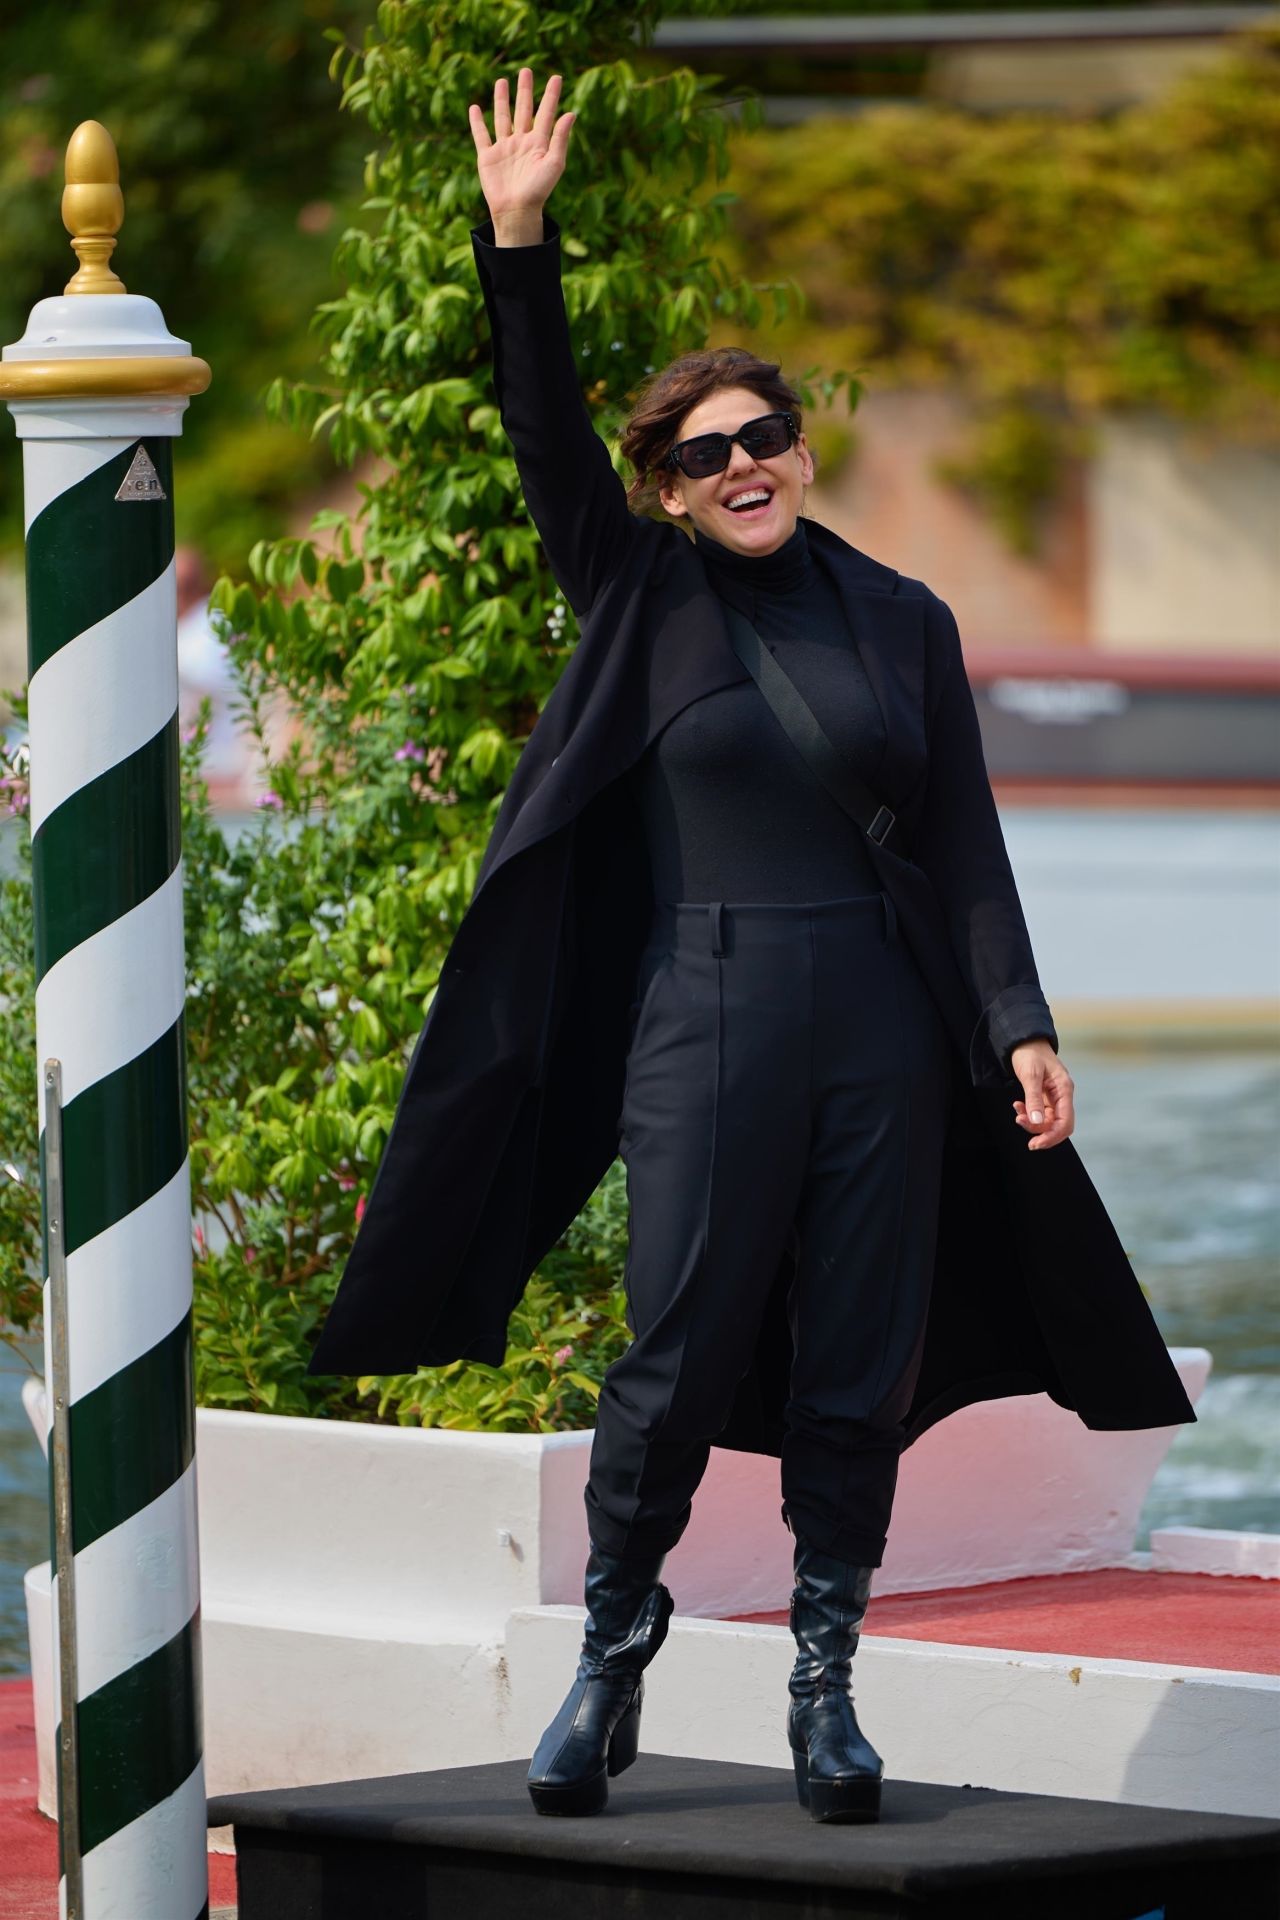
754	529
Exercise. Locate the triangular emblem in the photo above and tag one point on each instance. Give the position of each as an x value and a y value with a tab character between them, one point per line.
142	482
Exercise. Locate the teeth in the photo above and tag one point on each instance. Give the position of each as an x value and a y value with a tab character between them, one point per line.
748	499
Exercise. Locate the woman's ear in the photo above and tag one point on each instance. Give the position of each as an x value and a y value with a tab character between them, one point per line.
671	494
808	460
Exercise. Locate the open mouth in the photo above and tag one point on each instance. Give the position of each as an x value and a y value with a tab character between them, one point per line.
755	504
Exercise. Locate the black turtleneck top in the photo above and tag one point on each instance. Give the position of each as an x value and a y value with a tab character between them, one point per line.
731	810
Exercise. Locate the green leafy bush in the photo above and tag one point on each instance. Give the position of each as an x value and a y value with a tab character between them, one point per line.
20	1279
412	648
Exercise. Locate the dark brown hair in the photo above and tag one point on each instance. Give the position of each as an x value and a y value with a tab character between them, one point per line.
675	390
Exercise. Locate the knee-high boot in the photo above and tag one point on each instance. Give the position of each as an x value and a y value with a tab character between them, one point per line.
597	1730
838	1771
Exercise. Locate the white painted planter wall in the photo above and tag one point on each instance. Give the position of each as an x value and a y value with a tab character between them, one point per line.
327	1523
359	1581
337	1525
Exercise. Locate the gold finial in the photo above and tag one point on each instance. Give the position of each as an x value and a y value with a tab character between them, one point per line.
93	207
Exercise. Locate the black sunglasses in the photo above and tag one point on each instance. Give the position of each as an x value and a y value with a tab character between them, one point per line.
762	438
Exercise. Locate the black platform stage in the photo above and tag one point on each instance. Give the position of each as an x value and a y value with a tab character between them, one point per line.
712	1840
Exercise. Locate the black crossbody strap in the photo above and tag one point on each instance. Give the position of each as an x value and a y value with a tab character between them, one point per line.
801	725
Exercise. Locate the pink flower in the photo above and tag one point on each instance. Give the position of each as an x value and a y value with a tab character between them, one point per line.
249	1256
345	1182
269	799
410	751
315	217
200	1238
562	1354
359	1209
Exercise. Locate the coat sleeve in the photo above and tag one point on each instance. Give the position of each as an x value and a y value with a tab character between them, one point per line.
576	500
960	846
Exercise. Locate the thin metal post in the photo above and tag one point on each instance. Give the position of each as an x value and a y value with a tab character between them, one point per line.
64	1542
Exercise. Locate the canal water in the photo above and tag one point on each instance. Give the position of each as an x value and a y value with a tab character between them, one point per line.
1184	1146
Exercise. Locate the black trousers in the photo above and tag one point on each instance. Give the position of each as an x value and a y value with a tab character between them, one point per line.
786	1084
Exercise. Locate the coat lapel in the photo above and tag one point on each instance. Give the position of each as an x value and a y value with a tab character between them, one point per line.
888	631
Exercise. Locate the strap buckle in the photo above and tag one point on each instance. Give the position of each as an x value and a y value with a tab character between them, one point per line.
882	826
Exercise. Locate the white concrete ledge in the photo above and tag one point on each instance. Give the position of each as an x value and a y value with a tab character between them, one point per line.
1121	1730
286	1707
290	1708
1211	1550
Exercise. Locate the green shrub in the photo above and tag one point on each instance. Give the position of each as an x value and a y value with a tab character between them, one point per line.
20	1279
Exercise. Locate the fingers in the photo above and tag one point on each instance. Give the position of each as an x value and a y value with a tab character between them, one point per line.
1033	1091
524	121
1061	1104
1049	1130
479	131
1055	1105
560	137
547	106
501	109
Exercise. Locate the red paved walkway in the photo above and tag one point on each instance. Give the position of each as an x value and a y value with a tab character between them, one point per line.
1180	1619
29	1842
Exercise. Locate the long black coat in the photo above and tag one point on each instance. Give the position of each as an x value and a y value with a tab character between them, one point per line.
508	1117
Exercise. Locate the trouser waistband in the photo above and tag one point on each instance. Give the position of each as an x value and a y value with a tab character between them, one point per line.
717	921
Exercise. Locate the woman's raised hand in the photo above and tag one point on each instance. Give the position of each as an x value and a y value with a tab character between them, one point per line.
526	156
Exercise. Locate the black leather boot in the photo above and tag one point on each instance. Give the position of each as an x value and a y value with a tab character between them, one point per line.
597	1730
838	1771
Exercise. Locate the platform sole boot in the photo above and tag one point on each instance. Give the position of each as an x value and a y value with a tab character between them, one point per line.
838	1771
596	1733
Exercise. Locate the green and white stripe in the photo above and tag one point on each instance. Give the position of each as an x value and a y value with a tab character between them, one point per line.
110	973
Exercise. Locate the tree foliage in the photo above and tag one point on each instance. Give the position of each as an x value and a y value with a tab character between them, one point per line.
236	174
1052	269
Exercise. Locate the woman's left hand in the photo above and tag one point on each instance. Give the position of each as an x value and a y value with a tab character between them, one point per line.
1047	1112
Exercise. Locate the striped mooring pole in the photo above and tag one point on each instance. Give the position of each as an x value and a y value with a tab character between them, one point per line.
97	387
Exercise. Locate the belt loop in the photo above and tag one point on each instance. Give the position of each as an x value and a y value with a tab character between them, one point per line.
890	918
715	910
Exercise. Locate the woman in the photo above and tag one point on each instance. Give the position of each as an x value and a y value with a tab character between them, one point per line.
759	1005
